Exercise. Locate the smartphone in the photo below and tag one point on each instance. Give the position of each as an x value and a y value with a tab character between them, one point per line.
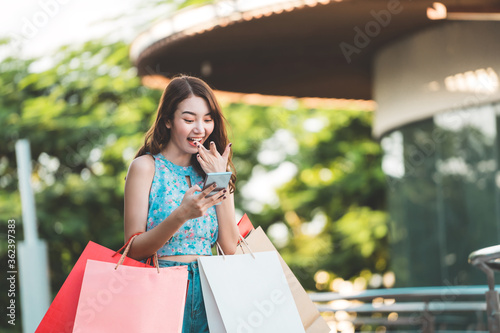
219	178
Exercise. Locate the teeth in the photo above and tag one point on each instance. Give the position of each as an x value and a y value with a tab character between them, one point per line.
192	139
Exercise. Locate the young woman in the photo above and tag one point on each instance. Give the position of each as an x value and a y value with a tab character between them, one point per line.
163	195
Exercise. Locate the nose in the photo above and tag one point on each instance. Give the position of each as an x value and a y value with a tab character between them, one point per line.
198	128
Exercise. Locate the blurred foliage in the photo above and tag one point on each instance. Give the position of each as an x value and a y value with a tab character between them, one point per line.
191	3
333	206
86	116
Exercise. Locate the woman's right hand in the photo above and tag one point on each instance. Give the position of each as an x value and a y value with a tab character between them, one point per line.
195	205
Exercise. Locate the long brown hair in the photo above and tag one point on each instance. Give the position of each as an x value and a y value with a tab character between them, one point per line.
180	88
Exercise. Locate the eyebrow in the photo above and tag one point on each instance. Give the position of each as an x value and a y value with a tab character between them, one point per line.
194	114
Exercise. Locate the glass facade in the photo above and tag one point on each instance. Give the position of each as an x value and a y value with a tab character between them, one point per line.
444	195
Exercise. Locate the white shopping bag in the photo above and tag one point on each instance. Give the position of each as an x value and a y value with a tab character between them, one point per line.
313	322
248	293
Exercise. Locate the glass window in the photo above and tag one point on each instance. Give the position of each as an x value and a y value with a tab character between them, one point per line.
443	195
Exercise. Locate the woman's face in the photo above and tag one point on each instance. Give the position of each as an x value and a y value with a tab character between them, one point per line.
192	123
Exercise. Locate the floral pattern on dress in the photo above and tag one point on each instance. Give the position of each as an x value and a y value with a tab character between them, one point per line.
195	236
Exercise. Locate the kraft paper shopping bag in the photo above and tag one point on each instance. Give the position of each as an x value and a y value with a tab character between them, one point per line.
309	314
131	299
248	293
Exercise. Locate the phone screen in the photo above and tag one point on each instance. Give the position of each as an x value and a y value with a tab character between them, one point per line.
219	178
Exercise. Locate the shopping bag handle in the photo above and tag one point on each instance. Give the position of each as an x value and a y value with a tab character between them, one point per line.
243	240
219	249
127	248
239	243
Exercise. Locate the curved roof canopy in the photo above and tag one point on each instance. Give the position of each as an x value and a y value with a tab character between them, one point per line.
302	48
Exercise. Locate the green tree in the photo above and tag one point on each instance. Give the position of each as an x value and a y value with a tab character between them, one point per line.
84	118
333	206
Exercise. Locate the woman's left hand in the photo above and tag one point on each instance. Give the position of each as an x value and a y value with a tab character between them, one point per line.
210	160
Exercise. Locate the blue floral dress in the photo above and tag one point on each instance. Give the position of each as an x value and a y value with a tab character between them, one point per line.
196	236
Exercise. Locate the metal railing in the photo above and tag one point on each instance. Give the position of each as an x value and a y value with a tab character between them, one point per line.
419	307
423	307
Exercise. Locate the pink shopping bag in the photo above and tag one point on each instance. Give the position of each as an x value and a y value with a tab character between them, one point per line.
61	314
131	299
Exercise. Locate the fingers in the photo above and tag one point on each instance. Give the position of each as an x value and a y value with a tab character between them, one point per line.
218	198
194	206
193	189
201	151
211	160
213	148
227	151
201	161
209	189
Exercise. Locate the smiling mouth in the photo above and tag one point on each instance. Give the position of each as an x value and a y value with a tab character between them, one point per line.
194	141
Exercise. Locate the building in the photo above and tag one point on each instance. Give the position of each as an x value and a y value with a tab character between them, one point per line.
432	69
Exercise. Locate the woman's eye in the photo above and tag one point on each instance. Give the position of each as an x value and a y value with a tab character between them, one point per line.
189	121
208	120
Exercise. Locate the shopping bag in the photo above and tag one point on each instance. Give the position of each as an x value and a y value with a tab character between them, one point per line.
131	299
264	301
245	226
309	314
60	316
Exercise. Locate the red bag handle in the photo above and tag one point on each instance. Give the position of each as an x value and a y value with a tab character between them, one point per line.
127	243
127	248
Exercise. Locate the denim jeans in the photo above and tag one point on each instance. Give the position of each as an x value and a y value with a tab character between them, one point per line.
195	317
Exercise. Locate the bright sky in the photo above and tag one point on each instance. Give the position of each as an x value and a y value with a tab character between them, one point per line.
44	25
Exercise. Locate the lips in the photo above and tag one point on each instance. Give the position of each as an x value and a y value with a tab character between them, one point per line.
194	141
